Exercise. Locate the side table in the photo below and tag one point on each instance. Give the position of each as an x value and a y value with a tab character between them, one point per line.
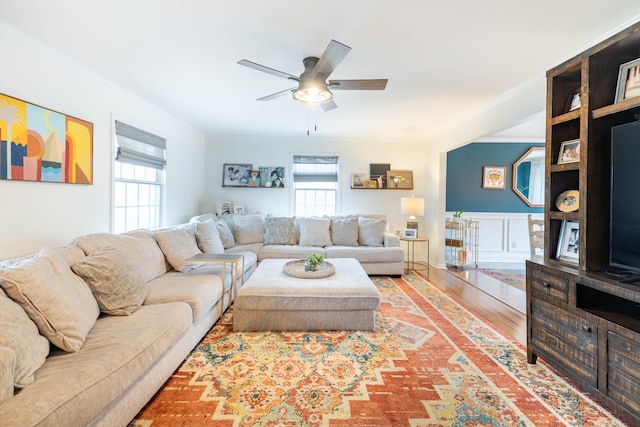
410	262
225	259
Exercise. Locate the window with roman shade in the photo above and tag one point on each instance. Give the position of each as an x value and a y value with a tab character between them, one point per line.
138	178
315	183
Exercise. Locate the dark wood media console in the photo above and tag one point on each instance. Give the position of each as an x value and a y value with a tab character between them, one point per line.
581	320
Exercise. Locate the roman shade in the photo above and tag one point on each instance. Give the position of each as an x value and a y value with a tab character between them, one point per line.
138	147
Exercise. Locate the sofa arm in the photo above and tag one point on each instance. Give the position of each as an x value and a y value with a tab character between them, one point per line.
391	240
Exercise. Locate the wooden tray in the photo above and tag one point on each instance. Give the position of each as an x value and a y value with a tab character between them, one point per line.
296	269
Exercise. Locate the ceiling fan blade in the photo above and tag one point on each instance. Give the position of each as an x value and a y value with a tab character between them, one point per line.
372	84
332	56
328	106
268	70
277	94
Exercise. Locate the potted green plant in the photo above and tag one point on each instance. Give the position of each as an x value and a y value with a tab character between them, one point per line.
313	261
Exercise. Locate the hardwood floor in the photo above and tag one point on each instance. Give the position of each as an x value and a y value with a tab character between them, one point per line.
495	301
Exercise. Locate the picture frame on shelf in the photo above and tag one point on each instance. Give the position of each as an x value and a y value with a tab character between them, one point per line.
238	209
236	174
223	207
568	244
494	177
272	176
400	180
573	101
628	81
357	180
569	152
370	183
410	233
378	171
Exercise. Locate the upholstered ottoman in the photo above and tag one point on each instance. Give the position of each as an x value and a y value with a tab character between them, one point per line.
273	301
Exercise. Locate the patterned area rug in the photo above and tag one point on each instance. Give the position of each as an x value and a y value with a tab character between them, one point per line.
429	362
511	276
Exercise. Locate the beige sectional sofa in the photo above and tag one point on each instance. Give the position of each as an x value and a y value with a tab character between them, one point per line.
363	237
89	332
95	368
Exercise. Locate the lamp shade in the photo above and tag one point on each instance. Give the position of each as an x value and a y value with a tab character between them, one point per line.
412	206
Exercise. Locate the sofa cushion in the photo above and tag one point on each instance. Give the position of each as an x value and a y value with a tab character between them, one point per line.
57	300
248	228
226	235
279	231
28	348
366	254
315	232
178	244
371	231
140	248
117	286
76	388
344	231
200	291
7	368
288	251
209	238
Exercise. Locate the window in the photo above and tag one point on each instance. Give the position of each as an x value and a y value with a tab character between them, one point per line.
139	177
315	183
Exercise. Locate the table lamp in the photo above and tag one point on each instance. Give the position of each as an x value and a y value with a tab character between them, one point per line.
412	206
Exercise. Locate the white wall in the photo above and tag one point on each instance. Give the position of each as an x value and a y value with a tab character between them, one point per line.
355	156
34	215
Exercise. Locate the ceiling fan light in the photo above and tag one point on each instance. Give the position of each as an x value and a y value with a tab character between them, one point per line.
312	94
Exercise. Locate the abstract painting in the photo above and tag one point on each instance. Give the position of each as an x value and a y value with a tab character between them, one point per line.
38	144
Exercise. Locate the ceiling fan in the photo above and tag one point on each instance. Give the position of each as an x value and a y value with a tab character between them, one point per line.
313	87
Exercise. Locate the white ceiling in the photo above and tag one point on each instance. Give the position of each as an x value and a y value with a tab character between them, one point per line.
444	59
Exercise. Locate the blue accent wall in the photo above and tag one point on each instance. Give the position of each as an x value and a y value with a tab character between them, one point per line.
464	178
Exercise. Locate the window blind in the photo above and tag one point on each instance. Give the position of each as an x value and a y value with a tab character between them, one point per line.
138	147
315	168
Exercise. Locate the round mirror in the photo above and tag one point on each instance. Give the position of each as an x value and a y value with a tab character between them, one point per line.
528	177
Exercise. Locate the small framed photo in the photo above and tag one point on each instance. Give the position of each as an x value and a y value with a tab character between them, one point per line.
568	244
238	209
357	180
370	183
410	233
272	176
236	175
628	81
573	101
569	152
400	180
494	177
223	207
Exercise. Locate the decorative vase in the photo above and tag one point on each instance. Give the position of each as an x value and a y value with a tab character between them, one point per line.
310	267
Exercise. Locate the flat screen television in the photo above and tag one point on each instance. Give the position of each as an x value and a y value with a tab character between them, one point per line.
625	199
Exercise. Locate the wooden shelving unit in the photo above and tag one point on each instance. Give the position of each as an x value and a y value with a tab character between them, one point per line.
580	320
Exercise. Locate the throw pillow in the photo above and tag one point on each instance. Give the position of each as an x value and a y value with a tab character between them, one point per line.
226	235
57	300
279	231
344	231
117	286
139	247
248	228
315	232
28	348
7	367
178	244
371	231
209	237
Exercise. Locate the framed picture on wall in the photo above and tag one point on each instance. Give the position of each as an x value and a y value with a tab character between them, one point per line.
494	177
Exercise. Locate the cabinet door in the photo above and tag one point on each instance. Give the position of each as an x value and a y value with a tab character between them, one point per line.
624	371
566	341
